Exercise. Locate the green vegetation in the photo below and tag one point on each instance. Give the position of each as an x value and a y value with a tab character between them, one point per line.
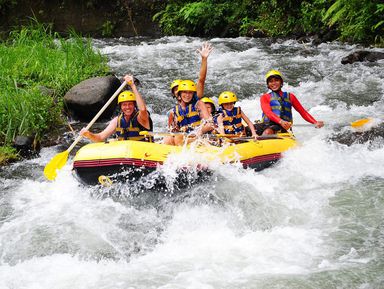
34	58
357	20
353	20
107	29
7	154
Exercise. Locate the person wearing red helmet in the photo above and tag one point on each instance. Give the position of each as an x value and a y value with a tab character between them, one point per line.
133	118
277	107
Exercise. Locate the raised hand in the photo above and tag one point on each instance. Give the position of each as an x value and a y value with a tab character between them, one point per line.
205	50
129	79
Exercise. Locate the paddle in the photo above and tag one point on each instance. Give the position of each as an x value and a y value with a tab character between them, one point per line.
164	134
355	124
361	122
261	137
59	160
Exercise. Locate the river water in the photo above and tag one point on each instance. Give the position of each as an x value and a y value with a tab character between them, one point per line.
315	220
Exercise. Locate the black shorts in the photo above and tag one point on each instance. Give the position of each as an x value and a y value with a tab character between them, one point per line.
260	127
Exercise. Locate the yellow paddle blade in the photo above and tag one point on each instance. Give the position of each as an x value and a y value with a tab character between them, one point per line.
361	122
56	163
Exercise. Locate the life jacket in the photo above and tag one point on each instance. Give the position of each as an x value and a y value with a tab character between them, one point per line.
187	119
232	120
130	130
281	106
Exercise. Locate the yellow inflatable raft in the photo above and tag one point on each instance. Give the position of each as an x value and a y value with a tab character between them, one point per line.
135	159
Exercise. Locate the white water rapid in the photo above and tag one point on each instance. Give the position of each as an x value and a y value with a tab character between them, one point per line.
314	220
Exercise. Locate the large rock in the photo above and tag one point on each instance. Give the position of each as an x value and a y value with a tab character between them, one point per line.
85	99
26	146
374	136
362	55
325	36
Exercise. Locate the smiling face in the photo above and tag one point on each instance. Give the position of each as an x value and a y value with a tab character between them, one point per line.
128	107
275	83
228	106
186	96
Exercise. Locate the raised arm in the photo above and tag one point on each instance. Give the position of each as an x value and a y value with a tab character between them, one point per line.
143	116
304	113
205	50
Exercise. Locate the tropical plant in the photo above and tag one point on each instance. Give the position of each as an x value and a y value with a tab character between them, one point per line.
33	58
357	20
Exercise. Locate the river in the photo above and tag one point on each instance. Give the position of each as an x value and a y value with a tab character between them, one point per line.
314	220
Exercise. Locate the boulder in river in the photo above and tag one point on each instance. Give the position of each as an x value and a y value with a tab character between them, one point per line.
362	55
26	146
85	99
351	137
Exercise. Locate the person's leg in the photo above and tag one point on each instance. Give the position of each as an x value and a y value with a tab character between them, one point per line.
169	140
178	140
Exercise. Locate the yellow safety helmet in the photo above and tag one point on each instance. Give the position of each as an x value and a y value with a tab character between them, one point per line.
126	96
207	100
175	83
186	85
275	73
227	97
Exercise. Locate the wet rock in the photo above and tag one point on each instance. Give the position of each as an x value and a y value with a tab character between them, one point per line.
26	146
325	36
362	55
359	137
256	33
304	39
84	100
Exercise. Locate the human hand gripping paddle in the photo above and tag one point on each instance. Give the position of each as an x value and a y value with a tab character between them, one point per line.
59	160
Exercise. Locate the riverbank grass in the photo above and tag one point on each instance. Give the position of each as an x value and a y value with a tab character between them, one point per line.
37	67
7	154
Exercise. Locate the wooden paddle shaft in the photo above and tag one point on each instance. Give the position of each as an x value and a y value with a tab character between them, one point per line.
98	115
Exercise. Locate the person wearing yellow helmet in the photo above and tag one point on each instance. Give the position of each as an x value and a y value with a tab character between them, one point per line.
189	111
210	125
133	118
174	86
277	107
230	117
210	105
188	114
198	90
